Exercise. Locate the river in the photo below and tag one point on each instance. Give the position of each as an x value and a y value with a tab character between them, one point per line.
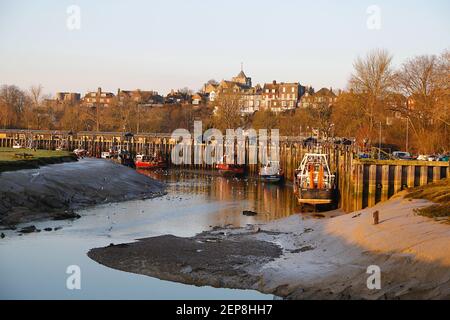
33	266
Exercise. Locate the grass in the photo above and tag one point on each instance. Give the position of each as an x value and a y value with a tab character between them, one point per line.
439	193
9	154
10	161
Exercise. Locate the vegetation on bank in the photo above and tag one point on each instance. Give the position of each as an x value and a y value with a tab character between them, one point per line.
17	159
439	193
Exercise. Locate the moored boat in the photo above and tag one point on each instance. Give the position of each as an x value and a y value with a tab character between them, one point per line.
271	172
313	182
148	162
230	169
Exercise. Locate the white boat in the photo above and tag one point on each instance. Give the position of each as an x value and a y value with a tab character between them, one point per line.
17	146
313	182
271	172
80	152
106	155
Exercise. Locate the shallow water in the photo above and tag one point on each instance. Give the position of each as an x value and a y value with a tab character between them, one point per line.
34	266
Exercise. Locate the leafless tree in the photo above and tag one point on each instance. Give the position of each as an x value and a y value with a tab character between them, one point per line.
228	111
424	80
373	80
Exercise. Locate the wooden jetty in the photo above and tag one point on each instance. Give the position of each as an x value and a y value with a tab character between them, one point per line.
361	182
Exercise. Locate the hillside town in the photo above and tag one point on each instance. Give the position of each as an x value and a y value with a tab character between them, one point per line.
275	96
407	110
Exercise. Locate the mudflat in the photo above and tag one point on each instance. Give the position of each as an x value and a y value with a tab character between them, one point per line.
56	191
305	259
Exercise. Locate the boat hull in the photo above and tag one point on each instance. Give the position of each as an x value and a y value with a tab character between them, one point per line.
230	170
271	178
316	196
150	165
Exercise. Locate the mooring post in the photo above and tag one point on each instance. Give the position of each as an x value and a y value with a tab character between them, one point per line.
423	175
358	186
411	176
384	182
376	217
397	179
371	201
436	174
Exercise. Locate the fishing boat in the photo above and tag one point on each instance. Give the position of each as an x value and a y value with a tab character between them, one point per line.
80	152
271	172
230	169
148	162
17	145
313	182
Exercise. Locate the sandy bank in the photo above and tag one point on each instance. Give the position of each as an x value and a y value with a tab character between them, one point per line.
54	191
306	259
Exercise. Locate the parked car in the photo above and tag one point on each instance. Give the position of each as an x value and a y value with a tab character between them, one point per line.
363	155
422	157
402	155
444	157
311	141
344	141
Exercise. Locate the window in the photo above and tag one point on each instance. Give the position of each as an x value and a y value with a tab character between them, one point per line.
293	90
284	89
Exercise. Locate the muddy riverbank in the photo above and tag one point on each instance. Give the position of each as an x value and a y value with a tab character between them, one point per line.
35	163
305	259
56	191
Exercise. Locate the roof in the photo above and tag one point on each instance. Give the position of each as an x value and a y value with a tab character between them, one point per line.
325	92
241	74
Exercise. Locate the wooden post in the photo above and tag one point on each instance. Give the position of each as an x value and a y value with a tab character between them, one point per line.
423	175
397	179
411	175
376	217
384	183
371	201
436	174
359	184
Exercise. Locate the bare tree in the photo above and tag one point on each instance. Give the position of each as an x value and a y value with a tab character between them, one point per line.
228	111
373	80
424	80
36	93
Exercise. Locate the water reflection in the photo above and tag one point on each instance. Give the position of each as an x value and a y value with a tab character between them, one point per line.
270	201
195	202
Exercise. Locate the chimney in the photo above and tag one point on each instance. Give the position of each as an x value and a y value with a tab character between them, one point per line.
274	82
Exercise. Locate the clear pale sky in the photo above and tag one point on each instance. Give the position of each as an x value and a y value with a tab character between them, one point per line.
176	43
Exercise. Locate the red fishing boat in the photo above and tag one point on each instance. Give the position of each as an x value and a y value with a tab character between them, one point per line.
230	169
148	162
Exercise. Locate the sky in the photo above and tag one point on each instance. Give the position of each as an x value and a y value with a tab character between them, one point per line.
160	45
